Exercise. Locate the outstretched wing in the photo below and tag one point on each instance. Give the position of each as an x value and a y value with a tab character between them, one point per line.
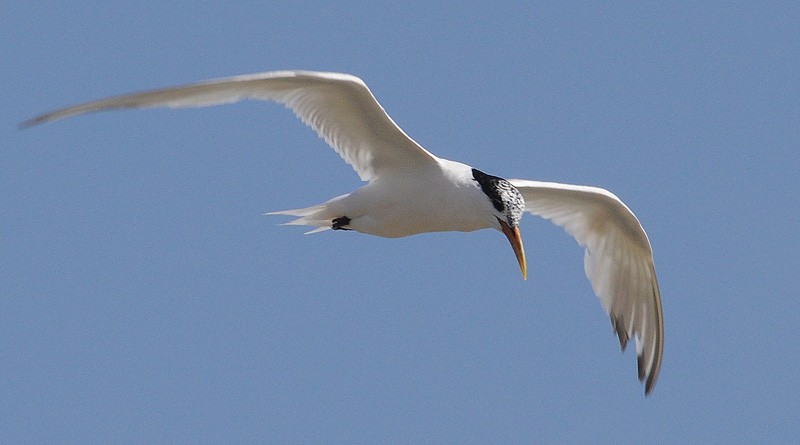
339	107
618	262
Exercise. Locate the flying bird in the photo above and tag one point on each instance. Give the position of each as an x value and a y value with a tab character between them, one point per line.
409	190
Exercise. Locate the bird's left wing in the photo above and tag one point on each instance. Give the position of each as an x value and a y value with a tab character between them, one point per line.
618	262
339	107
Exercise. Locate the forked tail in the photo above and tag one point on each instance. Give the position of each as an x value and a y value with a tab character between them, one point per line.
317	216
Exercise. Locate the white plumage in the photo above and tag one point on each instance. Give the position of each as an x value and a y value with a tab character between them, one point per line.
410	191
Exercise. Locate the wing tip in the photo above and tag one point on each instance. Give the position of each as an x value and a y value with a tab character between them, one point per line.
641	368
648	388
621	333
649	376
32	122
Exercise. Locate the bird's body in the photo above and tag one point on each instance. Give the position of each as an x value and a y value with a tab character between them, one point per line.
411	191
441	197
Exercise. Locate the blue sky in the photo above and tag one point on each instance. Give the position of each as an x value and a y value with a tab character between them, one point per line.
144	297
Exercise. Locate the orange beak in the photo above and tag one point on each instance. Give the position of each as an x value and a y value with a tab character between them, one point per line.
516	244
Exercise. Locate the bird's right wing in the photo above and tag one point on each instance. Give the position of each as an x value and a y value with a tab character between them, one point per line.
618	262
339	107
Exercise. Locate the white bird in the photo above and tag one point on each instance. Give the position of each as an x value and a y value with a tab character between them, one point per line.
410	191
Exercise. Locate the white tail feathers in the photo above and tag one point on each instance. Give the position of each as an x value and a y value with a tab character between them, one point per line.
317	216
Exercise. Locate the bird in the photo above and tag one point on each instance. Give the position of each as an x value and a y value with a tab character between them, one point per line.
409	191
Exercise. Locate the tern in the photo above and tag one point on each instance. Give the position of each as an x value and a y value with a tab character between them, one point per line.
409	190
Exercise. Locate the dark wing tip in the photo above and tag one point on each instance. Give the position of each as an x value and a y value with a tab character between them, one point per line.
640	363
623	336
640	359
30	122
651	378
648	388
42	118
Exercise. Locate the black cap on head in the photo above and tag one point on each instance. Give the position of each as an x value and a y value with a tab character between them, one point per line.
504	197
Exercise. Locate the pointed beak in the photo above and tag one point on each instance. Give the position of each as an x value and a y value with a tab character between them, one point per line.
516	244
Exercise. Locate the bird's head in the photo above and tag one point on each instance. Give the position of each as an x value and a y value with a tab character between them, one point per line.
508	205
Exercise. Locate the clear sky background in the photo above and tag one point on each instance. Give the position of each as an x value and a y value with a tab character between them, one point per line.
144	296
